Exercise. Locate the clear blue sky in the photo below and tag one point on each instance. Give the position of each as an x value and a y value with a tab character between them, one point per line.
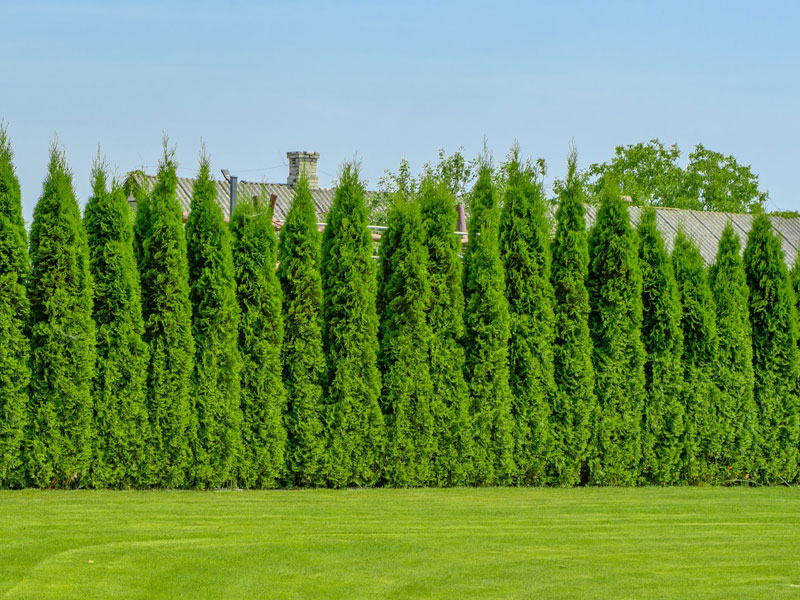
391	80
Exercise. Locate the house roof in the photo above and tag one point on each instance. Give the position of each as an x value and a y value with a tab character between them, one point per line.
704	227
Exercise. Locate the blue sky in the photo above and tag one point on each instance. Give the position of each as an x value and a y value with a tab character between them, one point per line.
392	80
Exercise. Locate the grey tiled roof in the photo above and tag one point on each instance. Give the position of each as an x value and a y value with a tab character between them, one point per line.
705	228
323	197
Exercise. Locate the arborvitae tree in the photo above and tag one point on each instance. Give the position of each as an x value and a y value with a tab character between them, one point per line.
62	336
215	327
525	248
303	356
167	313
794	275
14	310
738	413
775	359
120	403
575	406
701	435
486	342
662	336
615	322
404	297
451	463
356	430
263	397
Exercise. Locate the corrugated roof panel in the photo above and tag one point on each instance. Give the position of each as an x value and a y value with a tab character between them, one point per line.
789	230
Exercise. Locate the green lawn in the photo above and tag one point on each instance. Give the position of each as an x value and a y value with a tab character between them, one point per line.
464	544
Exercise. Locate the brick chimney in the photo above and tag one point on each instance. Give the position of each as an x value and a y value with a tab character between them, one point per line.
305	162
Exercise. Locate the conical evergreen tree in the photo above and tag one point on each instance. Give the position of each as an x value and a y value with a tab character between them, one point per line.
120	414
738	414
14	310
701	434
525	248
794	275
775	360
263	396
303	356
167	313
404	297
486	342
575	405
62	336
662	336
215	327
451	463
356	429
615	321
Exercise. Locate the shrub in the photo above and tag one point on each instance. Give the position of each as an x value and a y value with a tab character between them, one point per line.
775	360
701	436
404	297
120	403
263	396
662	336
62	336
451	463
14	312
215	325
734	372
525	248
167	313
615	321
356	430
574	408
486	341
303	356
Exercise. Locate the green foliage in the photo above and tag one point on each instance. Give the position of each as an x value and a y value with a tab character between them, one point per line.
662	336
775	360
215	327
700	345
486	342
575	406
525	248
451	462
615	320
62	336
14	311
404	297
303	356
738	414
120	402
650	174
356	429
263	396
167	313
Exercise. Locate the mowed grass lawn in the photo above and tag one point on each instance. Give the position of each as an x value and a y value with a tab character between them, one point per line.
459	543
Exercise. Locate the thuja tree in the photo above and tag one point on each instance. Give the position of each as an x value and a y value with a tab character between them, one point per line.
15	347
615	321
263	396
486	341
167	314
62	336
303	357
701	433
450	404
215	326
574	405
775	360
738	415
404	297
794	275
662	336
355	424
525	248
120	404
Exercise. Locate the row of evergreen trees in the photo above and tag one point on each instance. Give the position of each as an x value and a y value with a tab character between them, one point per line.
142	353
